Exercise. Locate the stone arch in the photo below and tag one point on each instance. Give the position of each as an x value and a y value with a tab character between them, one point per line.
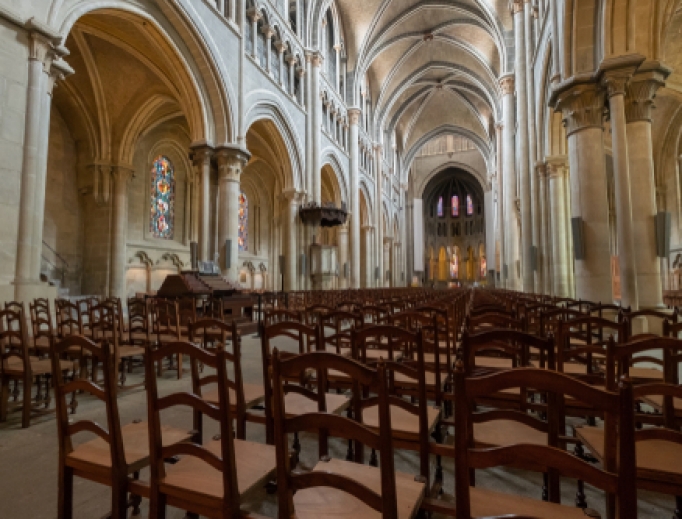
210	95
419	190
330	157
265	106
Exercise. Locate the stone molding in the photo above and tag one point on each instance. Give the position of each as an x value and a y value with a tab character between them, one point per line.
582	107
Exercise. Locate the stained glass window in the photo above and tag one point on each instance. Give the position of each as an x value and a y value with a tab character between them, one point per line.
470	206
439	207
162	201
454	267
455	206
243	223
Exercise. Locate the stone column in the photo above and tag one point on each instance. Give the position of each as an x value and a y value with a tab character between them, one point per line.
41	55
337	57
545	245
281	47
302	90
615	82
557	198
638	104
269	33
231	162
290	217
291	62
500	207
386	261
522	136
354	119
582	106
511	231
367	236
202	160
254	15
532	126
342	242
316	116
119	230
379	214
57	71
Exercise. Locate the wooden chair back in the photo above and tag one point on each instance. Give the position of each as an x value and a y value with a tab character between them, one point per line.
335	328
288	483
138	321
41	322
14	344
280	315
69	318
165	319
305	340
211	334
616	479
221	413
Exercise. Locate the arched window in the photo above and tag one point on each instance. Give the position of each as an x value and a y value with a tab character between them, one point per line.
162	200
454	265
470	206
439	207
243	223
455	206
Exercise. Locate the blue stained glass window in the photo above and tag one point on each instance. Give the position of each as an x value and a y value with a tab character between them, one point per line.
439	207
243	222
162	201
455	206
470	206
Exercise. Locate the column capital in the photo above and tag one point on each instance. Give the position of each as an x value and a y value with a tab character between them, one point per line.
639	98
557	166
517	6
254	14
231	162
292	195
268	31
290	59
316	59
280	46
368	228
122	173
541	169
59	70
582	106
616	73
201	153
354	116
507	84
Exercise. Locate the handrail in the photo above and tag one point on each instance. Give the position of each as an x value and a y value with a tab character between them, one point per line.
66	263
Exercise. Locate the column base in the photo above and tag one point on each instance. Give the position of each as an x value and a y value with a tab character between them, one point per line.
27	290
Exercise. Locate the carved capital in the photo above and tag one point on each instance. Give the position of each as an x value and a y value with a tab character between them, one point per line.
541	168
202	155
40	49
640	95
268	31
254	14
122	175
557	167
517	6
582	107
316	59
280	46
507	84
231	162
354	116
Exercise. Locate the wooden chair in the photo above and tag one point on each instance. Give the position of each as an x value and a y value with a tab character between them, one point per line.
210	479
105	325
211	334
117	455
281	315
616	479
139	332
42	327
304	339
659	448
19	367
415	421
337	488
165	329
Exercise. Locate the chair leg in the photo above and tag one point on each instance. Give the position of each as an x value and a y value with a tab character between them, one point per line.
136	500
65	506
27	406
678	508
119	500
179	366
4	399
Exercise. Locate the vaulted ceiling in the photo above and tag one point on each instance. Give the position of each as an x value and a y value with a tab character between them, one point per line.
431	66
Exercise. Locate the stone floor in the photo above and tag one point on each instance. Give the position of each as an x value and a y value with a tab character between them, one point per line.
28	461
